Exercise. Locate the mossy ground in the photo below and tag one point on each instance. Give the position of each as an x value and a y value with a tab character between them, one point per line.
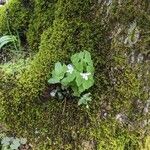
75	26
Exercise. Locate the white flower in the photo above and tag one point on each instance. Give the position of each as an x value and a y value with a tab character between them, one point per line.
70	68
85	75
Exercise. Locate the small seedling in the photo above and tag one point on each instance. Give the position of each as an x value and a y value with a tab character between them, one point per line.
78	75
85	99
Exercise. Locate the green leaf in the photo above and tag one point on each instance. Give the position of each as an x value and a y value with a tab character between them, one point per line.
77	61
7	39
68	79
53	81
88	83
59	71
75	90
58	68
79	66
90	69
87	57
79	79
65	82
81	55
57	76
15	145
74	58
5	141
85	99
81	89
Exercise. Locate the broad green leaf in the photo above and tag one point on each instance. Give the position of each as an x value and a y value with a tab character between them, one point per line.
77	61
81	55
74	58
90	69
16	140
53	74
79	79
75	90
5	141
71	77
87	57
81	89
64	69
88	83
58	68
65	82
7	39
57	76
15	145
12	139
59	71
79	66
53	81
68	79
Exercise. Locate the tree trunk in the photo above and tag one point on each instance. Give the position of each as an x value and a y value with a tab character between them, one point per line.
118	94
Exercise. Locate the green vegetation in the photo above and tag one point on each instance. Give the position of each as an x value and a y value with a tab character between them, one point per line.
115	35
7	39
85	99
78	75
11	143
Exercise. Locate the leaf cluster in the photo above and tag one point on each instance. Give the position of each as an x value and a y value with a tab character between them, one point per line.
11	143
78	75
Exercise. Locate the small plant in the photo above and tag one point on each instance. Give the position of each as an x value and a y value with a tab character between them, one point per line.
11	143
85	99
7	39
78	75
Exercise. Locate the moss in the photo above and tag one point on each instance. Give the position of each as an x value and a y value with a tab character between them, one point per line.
112	137
71	31
146	144
43	16
2	19
71	9
126	12
16	16
9	75
57	43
